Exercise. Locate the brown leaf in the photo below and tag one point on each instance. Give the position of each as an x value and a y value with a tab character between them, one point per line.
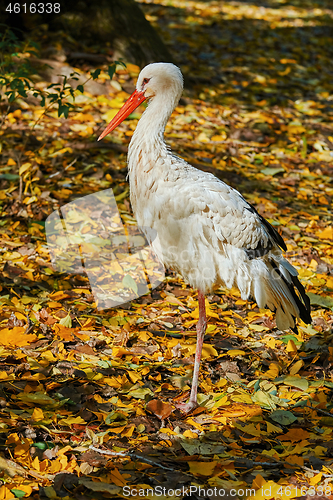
85	349
159	408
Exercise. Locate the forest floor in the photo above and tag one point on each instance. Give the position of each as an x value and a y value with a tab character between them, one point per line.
87	393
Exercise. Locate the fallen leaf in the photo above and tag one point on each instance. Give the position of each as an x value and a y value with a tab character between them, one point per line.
159	408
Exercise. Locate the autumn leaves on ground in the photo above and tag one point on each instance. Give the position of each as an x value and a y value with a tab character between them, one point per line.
87	395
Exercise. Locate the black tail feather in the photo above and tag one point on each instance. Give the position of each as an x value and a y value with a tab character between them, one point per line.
304	307
302	300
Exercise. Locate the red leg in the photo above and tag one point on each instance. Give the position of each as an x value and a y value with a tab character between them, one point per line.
201	329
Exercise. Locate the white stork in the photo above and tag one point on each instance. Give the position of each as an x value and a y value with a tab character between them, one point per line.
206	230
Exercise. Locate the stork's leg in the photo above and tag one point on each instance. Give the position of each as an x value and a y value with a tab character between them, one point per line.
201	329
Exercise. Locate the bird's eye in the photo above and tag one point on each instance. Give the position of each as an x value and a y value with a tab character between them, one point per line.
145	81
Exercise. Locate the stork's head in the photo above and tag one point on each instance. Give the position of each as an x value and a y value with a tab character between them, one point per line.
160	79
157	80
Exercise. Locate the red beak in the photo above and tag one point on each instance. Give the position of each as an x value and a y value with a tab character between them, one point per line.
130	105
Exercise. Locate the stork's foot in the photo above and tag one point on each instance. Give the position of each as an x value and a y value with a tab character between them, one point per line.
187	407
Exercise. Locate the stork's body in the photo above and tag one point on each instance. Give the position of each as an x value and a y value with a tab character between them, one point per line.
205	229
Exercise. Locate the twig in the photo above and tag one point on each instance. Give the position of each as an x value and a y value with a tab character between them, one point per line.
99	145
316	472
131	454
322	411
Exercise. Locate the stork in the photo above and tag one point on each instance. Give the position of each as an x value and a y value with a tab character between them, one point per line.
206	230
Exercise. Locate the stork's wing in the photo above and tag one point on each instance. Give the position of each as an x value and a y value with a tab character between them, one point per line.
225	212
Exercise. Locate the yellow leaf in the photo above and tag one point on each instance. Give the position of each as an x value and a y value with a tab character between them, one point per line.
285	72
320	451
219	138
84	117
37	414
60	295
24	168
166	430
118	430
272	428
270	342
294	435
202	137
29	200
11	162
110	114
26	488
288	61
6	494
257	328
273	371
7	376
48	355
61	152
315	479
54	305
20	315
64	332
132	68
82	128
15	337
208	351
221	402
326	234
258	482
242	398
128	431
190	434
295	129
134	376
235	352
144	336
202	468
291	347
296	367
118	478
72	420
295	459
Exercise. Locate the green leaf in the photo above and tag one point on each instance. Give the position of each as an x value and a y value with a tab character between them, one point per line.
36	398
103	364
140	393
129	282
300	383
195	447
95	74
115	416
283	417
40	446
9	177
18	493
120	63
271	171
285	339
265	400
66	321
80	88
320	300
111	70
